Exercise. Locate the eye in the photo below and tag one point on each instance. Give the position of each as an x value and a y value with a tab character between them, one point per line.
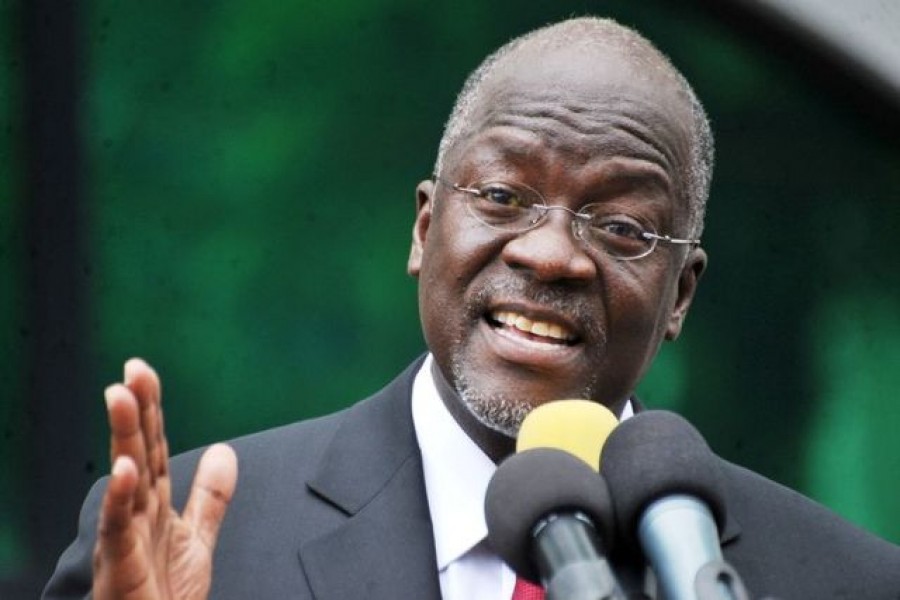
502	195
618	234
620	226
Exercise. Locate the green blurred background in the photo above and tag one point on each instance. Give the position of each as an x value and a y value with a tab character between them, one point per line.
248	170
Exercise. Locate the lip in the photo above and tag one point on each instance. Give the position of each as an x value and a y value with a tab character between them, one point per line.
537	313
525	349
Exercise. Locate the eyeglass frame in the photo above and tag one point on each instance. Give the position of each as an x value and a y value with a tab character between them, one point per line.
543	209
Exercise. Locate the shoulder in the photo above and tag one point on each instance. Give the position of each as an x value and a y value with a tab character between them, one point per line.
294	451
790	546
269	449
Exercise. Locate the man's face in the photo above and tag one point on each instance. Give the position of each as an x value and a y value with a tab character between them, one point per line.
518	320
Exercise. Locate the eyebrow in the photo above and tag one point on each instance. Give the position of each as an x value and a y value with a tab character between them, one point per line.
644	175
504	152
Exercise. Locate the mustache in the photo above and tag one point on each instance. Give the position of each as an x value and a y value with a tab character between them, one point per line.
577	304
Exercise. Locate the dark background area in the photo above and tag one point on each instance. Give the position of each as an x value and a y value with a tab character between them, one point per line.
226	189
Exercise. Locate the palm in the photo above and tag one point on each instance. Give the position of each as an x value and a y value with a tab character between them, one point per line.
178	563
145	549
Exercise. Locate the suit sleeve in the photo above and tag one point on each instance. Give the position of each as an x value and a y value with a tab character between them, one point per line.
73	575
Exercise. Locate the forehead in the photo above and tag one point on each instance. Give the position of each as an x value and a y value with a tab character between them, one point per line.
581	107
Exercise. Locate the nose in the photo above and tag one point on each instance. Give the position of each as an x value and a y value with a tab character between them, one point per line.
552	251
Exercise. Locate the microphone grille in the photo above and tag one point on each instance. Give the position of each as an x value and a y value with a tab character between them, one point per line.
656	454
533	484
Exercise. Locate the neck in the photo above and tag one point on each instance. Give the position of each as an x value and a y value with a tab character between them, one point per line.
494	444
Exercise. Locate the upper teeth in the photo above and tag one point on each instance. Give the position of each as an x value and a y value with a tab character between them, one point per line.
523	323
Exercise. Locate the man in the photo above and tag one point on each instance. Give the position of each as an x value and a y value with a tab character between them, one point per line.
556	248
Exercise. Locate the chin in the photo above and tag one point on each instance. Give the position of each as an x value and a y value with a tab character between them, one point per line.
500	415
497	410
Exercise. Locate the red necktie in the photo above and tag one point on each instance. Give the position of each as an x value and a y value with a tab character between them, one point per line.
525	590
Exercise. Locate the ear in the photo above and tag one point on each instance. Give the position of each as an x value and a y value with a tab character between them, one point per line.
424	204
693	268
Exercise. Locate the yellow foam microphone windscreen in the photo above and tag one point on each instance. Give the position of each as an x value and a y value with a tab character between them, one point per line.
580	427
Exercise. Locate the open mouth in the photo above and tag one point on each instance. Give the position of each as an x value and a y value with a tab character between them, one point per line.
533	329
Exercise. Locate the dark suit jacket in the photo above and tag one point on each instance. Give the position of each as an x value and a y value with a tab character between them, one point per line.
335	509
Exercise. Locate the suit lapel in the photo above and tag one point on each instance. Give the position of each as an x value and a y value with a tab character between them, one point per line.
372	472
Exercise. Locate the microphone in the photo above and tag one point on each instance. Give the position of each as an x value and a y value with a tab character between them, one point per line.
667	493
548	512
580	427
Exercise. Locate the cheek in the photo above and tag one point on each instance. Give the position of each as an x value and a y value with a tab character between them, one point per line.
452	258
455	252
638	303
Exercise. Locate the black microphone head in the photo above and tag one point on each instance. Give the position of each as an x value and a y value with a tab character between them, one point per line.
533	484
656	454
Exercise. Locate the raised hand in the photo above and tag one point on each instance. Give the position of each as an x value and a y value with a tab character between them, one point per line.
145	549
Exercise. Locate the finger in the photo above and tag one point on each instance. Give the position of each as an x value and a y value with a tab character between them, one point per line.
212	490
142	379
119	567
115	537
126	436
145	384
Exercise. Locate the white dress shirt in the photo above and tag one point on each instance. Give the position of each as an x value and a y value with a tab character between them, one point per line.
457	473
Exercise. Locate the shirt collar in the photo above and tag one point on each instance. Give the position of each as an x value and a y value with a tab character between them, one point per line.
456	471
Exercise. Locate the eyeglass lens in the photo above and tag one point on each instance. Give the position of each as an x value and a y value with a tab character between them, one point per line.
517	208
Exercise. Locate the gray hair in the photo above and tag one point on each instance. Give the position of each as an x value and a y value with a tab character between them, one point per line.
605	33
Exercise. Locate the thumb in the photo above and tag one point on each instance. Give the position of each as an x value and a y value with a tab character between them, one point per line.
212	490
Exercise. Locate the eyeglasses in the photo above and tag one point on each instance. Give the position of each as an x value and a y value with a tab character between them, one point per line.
516	208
